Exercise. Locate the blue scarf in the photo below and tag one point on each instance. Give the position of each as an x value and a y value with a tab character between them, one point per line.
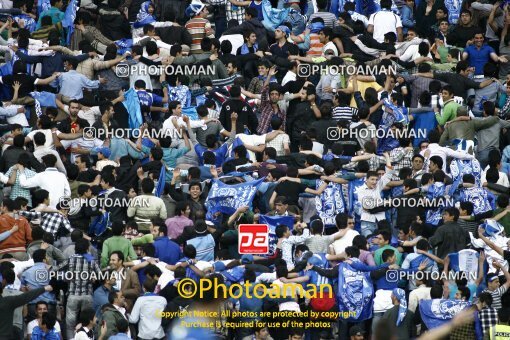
245	49
143	17
400	295
316	27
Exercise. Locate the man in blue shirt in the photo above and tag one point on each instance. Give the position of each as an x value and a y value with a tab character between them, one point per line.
148	99
478	54
35	277
122	326
71	83
166	250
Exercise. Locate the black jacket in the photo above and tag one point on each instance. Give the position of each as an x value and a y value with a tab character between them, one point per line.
10	158
114	25
245	115
174	35
253	25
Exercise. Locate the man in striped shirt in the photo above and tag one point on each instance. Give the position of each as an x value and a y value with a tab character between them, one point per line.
199	27
342	109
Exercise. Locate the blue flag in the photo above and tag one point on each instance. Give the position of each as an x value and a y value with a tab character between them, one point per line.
46	99
132	104
161	181
43	5
191	112
68	21
30	23
330	203
465	260
479	197
123	45
273	222
273	17
226	198
435	313
355	293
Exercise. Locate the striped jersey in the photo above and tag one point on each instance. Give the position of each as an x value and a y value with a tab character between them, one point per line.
198	28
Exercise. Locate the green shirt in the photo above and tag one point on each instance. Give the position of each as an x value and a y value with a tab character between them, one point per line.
140	241
505	221
449	112
378	255
117	243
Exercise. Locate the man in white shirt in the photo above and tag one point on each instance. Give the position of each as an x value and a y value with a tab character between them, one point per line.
51	179
325	37
40	151
291	74
41	307
370	196
172	125
385	21
434	149
346	224
286	240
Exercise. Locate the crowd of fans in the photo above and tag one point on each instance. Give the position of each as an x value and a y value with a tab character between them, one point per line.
389	183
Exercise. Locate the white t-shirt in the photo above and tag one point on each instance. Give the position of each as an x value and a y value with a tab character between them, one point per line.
252	140
81	143
90	115
48	134
344	242
330	46
32	324
384	21
503	178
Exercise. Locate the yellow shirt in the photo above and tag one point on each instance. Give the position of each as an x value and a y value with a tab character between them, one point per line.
362	86
500	332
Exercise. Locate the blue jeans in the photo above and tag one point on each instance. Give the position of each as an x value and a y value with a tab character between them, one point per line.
368	228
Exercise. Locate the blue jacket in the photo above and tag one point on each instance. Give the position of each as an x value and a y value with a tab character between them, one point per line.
167	250
408	20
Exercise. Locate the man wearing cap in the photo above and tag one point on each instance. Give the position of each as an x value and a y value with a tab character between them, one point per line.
103	155
281	47
199	27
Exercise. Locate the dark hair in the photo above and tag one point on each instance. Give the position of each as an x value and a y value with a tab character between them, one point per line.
39	255
452	211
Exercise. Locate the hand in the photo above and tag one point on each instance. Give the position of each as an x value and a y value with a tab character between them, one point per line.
185	119
243	209
496	264
16	85
284	279
140	172
103	80
424	264
48	288
272	71
176	172
503	59
213	57
480	232
282	179
56	74
214	171
21	23
259	54
482	256
233	116
104	328
14	48
309	266
327	89
14	229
